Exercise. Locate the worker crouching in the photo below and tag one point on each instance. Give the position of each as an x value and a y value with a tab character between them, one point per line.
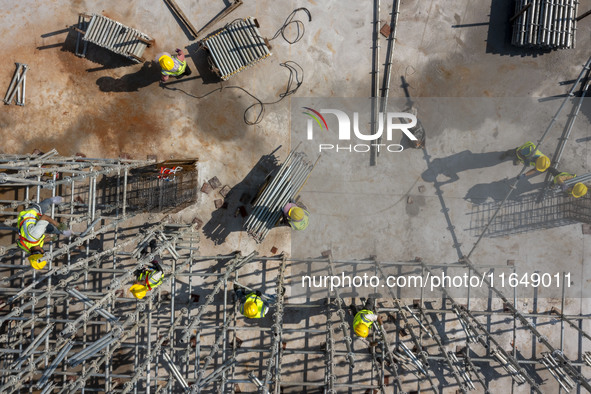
173	65
297	217
33	224
365	318
252	304
577	190
529	155
147	279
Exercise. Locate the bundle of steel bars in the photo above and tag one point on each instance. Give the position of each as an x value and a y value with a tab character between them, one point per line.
546	24
17	85
267	208
112	35
236	47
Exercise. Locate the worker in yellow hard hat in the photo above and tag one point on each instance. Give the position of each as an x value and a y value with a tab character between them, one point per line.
296	216
173	65
252	304
528	154
577	190
33	224
365	318
147	279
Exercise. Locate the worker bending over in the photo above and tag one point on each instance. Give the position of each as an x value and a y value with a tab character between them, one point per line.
252	304
33	224
365	318
528	154
296	216
173	65
577	190
147	279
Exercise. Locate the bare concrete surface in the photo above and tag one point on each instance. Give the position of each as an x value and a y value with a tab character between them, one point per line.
105	106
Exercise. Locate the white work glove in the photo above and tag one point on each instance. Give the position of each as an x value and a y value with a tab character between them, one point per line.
67	233
57	199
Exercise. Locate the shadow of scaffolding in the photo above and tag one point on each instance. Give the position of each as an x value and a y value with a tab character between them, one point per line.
527	214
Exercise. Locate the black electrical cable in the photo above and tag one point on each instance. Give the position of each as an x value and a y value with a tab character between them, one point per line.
296	72
300	28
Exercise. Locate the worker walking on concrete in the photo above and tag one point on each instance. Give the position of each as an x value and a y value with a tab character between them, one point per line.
577	190
529	155
365	318
33	224
252	304
173	65
147	279
296	216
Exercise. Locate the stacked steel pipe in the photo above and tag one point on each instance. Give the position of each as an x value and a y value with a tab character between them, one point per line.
545	23
283	187
114	36
236	47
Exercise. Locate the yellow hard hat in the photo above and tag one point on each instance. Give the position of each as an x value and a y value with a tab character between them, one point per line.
37	261
296	213
138	291
362	330
579	190
542	163
250	309
166	62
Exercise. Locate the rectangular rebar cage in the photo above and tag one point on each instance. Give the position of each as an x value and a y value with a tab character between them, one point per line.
73	326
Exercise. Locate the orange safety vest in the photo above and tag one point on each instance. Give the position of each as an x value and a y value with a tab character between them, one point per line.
26	241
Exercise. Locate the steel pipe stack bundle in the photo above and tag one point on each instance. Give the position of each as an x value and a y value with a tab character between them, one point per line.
585	178
283	187
236	47
545	24
115	37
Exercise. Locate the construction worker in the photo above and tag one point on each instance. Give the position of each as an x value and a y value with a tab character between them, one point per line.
529	155
365	318
174	65
577	190
147	279
252	305
33	224
296	216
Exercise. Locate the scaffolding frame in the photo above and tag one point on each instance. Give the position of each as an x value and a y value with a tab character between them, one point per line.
73	328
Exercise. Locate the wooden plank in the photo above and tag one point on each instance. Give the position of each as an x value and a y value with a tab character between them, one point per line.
181	15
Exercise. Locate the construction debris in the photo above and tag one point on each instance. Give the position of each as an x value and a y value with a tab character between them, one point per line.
236	47
545	24
111	35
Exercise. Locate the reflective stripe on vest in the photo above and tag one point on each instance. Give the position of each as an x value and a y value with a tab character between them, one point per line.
360	318
178	69
258	302
147	278
525	152
26	241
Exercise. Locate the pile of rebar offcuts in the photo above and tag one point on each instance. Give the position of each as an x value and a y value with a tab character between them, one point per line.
17	85
545	23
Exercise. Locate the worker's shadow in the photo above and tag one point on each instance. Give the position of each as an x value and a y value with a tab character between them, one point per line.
147	75
232	215
452	165
480	193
